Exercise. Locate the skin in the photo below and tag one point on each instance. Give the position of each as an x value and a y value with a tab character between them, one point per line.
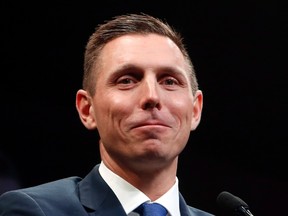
143	108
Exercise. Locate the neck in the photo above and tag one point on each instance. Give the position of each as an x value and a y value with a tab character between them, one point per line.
153	179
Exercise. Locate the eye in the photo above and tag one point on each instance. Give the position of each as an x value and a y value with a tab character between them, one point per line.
169	81
125	80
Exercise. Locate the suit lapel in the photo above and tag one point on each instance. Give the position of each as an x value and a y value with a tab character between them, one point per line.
97	197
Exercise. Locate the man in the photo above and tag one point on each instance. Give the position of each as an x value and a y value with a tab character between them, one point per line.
141	94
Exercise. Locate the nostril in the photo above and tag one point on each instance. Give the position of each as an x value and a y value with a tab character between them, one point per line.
151	104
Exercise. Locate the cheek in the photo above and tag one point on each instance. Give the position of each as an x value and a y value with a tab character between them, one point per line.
182	111
182	108
111	108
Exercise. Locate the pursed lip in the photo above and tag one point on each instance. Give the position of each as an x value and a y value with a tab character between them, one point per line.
150	123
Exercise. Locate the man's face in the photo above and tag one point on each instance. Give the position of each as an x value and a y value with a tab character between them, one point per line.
143	107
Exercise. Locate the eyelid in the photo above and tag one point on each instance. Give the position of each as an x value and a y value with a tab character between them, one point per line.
169	76
126	81
125	77
171	80
121	75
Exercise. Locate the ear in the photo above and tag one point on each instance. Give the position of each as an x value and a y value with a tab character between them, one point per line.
197	109
85	109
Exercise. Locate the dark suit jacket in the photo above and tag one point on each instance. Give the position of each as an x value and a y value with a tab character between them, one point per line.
71	196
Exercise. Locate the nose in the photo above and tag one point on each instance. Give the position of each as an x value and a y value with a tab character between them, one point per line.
150	98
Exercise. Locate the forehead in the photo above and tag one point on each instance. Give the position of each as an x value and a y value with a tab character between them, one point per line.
149	51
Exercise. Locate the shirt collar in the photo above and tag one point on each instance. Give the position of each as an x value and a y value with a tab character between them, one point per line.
124	191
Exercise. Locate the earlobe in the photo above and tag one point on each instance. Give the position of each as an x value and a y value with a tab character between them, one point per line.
85	109
197	109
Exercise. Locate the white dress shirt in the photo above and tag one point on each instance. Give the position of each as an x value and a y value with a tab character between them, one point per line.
130	197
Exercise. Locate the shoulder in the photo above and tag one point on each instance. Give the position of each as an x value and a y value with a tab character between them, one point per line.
40	198
61	186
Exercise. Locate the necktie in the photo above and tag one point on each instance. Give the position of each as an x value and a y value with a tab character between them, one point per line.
151	209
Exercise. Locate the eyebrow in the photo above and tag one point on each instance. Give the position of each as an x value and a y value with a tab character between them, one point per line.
127	67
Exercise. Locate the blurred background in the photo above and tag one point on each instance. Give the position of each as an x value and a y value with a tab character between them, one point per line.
240	144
